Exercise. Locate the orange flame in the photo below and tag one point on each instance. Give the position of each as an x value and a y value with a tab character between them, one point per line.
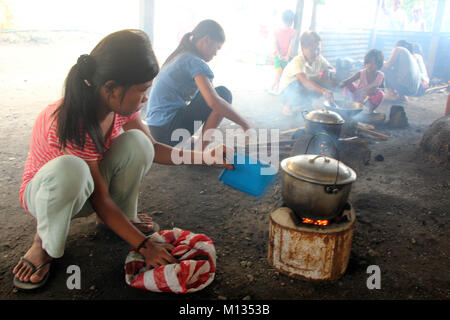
315	222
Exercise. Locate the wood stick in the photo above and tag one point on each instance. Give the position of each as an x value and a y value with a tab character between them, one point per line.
374	133
280	144
435	88
291	130
366	126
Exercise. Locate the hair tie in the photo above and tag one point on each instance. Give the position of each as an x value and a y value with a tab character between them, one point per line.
86	67
83	59
87	83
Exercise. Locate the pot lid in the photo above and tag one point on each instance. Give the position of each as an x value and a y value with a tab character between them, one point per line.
318	169
325	116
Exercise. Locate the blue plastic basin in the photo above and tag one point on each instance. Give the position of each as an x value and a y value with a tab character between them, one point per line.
247	176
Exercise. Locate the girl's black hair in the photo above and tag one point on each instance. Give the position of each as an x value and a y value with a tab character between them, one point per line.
127	58
405	44
208	28
375	54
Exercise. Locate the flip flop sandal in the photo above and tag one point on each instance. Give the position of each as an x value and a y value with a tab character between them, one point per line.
32	285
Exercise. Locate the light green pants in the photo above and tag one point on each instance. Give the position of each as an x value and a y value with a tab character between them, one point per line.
60	190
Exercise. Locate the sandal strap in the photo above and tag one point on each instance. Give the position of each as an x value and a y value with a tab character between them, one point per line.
28	262
39	267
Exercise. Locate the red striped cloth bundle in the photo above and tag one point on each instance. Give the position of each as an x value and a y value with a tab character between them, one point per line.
186	276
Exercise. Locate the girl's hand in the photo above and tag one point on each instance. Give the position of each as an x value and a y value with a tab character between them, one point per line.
156	254
220	155
328	95
246	126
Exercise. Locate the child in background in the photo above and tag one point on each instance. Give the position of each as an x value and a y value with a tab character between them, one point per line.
306	77
370	81
284	47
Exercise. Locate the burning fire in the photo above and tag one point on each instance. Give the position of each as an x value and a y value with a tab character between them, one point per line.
315	222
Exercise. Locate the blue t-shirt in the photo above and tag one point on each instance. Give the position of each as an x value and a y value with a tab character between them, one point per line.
174	88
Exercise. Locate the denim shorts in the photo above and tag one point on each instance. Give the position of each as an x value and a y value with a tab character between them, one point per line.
185	118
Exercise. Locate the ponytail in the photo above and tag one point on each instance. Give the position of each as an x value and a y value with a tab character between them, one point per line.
208	28
79	106
185	45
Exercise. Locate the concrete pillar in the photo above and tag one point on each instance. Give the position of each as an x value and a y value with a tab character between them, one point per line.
147	17
434	44
298	23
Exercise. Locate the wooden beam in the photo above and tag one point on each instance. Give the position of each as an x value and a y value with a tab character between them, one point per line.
147	17
313	16
434	43
298	23
373	33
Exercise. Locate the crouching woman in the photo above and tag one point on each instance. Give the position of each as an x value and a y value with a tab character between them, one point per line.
79	161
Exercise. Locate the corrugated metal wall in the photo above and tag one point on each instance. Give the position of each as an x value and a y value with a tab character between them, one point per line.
354	44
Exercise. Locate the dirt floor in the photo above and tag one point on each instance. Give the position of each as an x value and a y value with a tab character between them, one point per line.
402	203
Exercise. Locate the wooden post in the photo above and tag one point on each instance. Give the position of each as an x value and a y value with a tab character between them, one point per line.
434	44
298	23
373	33
147	17
313	16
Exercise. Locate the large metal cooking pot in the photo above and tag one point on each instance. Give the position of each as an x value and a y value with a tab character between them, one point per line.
323	121
314	186
347	109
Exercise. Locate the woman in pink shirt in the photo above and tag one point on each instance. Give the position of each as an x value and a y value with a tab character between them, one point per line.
79	161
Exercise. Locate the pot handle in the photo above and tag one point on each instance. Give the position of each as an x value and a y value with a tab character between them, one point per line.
334	188
303	112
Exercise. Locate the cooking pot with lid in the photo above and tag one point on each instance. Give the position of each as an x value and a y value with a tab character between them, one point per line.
314	186
324	121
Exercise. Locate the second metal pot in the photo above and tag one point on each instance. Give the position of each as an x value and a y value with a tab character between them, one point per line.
324	121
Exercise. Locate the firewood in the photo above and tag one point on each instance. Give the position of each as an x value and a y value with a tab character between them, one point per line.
365	125
291	130
432	89
374	133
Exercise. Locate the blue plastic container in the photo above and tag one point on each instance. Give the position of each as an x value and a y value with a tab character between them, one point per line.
247	176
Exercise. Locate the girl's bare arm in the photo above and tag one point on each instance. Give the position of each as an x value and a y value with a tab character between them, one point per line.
163	152
115	219
216	103
391	61
352	79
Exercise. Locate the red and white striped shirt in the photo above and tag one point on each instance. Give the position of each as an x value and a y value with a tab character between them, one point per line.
44	144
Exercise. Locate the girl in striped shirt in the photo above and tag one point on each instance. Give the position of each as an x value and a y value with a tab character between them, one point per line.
79	161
